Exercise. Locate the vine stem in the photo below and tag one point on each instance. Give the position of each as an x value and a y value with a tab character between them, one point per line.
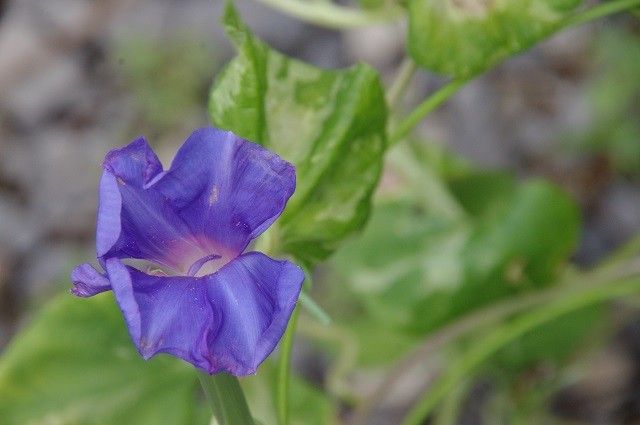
498	338
330	15
314	309
449	89
226	398
452	405
284	370
492	315
426	107
400	82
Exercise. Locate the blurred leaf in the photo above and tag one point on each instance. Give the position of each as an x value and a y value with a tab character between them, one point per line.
614	92
479	192
551	343
330	124
377	343
529	238
441	160
431	270
379	5
461	38
529	371
75	364
371	4
401	252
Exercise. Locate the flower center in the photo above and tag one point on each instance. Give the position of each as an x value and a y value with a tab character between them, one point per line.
195	259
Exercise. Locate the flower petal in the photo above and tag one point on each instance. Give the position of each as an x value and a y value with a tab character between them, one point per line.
134	219
227	189
228	321
135	163
87	281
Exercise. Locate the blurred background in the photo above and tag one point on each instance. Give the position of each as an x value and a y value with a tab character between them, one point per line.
79	77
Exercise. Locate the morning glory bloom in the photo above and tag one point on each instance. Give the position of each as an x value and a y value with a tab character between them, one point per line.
196	295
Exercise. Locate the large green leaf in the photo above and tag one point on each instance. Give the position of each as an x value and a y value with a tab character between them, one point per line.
460	38
330	124
75	364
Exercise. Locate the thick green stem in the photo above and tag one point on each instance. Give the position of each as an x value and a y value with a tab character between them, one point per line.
226	399
503	335
284	371
327	14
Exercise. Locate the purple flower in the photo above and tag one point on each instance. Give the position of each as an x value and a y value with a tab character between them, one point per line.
200	298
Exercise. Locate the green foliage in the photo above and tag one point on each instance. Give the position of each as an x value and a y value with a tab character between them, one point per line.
551	343
529	229
432	270
376	343
451	241
377	5
440	160
76	364
330	124
461	38
309	405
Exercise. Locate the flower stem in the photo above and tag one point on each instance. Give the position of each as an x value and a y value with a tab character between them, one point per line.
327	14
426	107
226	399
600	11
503	335
284	370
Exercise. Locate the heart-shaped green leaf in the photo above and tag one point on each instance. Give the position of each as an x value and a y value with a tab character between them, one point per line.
329	123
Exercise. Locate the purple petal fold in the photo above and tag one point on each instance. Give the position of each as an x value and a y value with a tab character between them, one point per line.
135	163
229	321
88	282
136	221
228	189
